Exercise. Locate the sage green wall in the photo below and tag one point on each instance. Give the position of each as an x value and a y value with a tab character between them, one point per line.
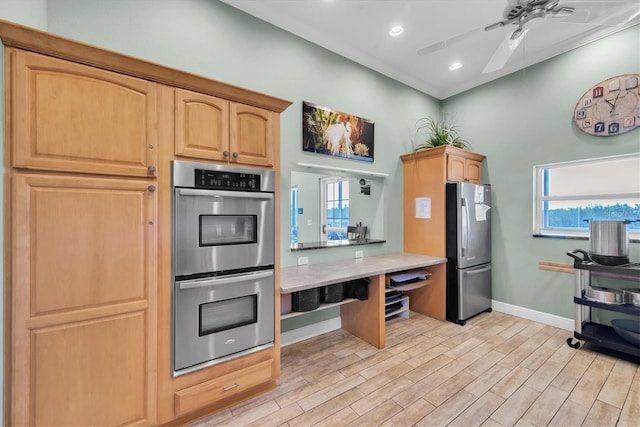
525	119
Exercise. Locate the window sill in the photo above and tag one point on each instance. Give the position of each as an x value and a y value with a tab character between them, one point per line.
560	236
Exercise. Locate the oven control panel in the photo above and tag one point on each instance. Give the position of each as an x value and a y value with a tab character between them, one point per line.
224	180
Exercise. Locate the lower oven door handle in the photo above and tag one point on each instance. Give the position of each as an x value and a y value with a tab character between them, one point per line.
223	193
214	281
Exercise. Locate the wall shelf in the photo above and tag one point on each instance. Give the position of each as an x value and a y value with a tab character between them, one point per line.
322	306
345	170
410	286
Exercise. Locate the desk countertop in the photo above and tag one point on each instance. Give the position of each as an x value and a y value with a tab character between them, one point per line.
299	278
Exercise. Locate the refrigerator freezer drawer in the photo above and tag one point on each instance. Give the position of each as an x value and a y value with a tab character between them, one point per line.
474	291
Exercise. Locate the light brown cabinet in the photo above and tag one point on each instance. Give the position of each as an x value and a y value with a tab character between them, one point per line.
83	306
90	137
223	387
211	128
72	117
83	249
464	167
425	174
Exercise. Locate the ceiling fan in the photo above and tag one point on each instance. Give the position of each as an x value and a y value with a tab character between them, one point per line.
520	12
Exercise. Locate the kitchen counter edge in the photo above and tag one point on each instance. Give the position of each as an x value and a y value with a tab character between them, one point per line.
299	278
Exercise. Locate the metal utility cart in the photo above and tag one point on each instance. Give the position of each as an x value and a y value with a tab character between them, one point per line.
595	333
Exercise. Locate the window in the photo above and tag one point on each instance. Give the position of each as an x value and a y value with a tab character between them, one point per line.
569	194
334	209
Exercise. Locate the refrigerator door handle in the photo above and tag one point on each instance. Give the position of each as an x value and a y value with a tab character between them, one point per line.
464	228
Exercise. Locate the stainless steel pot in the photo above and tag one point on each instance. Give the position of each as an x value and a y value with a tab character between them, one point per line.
605	295
631	296
609	240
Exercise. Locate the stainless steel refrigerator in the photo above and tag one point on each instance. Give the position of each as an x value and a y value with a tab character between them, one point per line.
468	219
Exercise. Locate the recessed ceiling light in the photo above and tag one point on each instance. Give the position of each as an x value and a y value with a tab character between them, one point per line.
455	66
396	30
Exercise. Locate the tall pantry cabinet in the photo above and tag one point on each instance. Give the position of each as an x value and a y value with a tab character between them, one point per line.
425	174
89	139
82	156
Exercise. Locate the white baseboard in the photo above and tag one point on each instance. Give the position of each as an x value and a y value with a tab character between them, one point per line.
536	316
305	332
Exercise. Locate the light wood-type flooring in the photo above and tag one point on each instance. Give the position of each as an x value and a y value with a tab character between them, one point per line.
498	370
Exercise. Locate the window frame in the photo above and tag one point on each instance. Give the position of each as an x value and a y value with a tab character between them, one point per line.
324	228
539	198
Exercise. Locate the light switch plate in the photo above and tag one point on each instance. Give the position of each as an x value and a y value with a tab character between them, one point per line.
303	260
359	254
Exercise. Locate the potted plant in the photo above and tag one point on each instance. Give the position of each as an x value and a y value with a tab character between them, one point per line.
439	133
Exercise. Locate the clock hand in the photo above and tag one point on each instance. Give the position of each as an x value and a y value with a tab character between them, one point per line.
615	101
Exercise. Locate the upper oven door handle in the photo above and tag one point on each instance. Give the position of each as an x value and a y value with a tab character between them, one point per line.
223	193
215	281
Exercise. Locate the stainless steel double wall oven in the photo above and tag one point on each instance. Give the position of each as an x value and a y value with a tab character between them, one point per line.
223	263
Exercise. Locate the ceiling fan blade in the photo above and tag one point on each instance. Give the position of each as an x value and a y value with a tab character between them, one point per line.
505	50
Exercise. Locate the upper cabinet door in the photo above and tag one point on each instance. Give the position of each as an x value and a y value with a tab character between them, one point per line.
72	117
455	168
463	169
201	126
473	171
252	135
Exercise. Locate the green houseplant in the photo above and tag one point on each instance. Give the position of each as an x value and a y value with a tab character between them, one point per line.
438	133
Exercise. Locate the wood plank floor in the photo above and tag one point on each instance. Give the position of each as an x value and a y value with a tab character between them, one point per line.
498	370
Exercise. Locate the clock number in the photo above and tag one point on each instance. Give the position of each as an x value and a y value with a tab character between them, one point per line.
587	102
614	127
588	122
614	85
599	127
598	92
581	114
629	121
631	83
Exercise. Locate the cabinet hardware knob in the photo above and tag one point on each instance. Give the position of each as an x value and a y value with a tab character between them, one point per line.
235	155
151	169
231	387
150	145
225	153
150	222
151	188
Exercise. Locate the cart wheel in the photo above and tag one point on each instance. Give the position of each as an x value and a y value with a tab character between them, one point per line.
571	344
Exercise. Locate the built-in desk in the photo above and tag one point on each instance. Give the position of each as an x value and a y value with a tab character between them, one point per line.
366	319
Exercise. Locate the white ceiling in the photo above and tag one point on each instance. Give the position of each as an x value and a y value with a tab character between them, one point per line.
359	30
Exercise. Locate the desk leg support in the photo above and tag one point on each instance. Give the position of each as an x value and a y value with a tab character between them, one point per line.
365	319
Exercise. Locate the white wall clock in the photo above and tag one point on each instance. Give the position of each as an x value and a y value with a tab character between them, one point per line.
611	107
